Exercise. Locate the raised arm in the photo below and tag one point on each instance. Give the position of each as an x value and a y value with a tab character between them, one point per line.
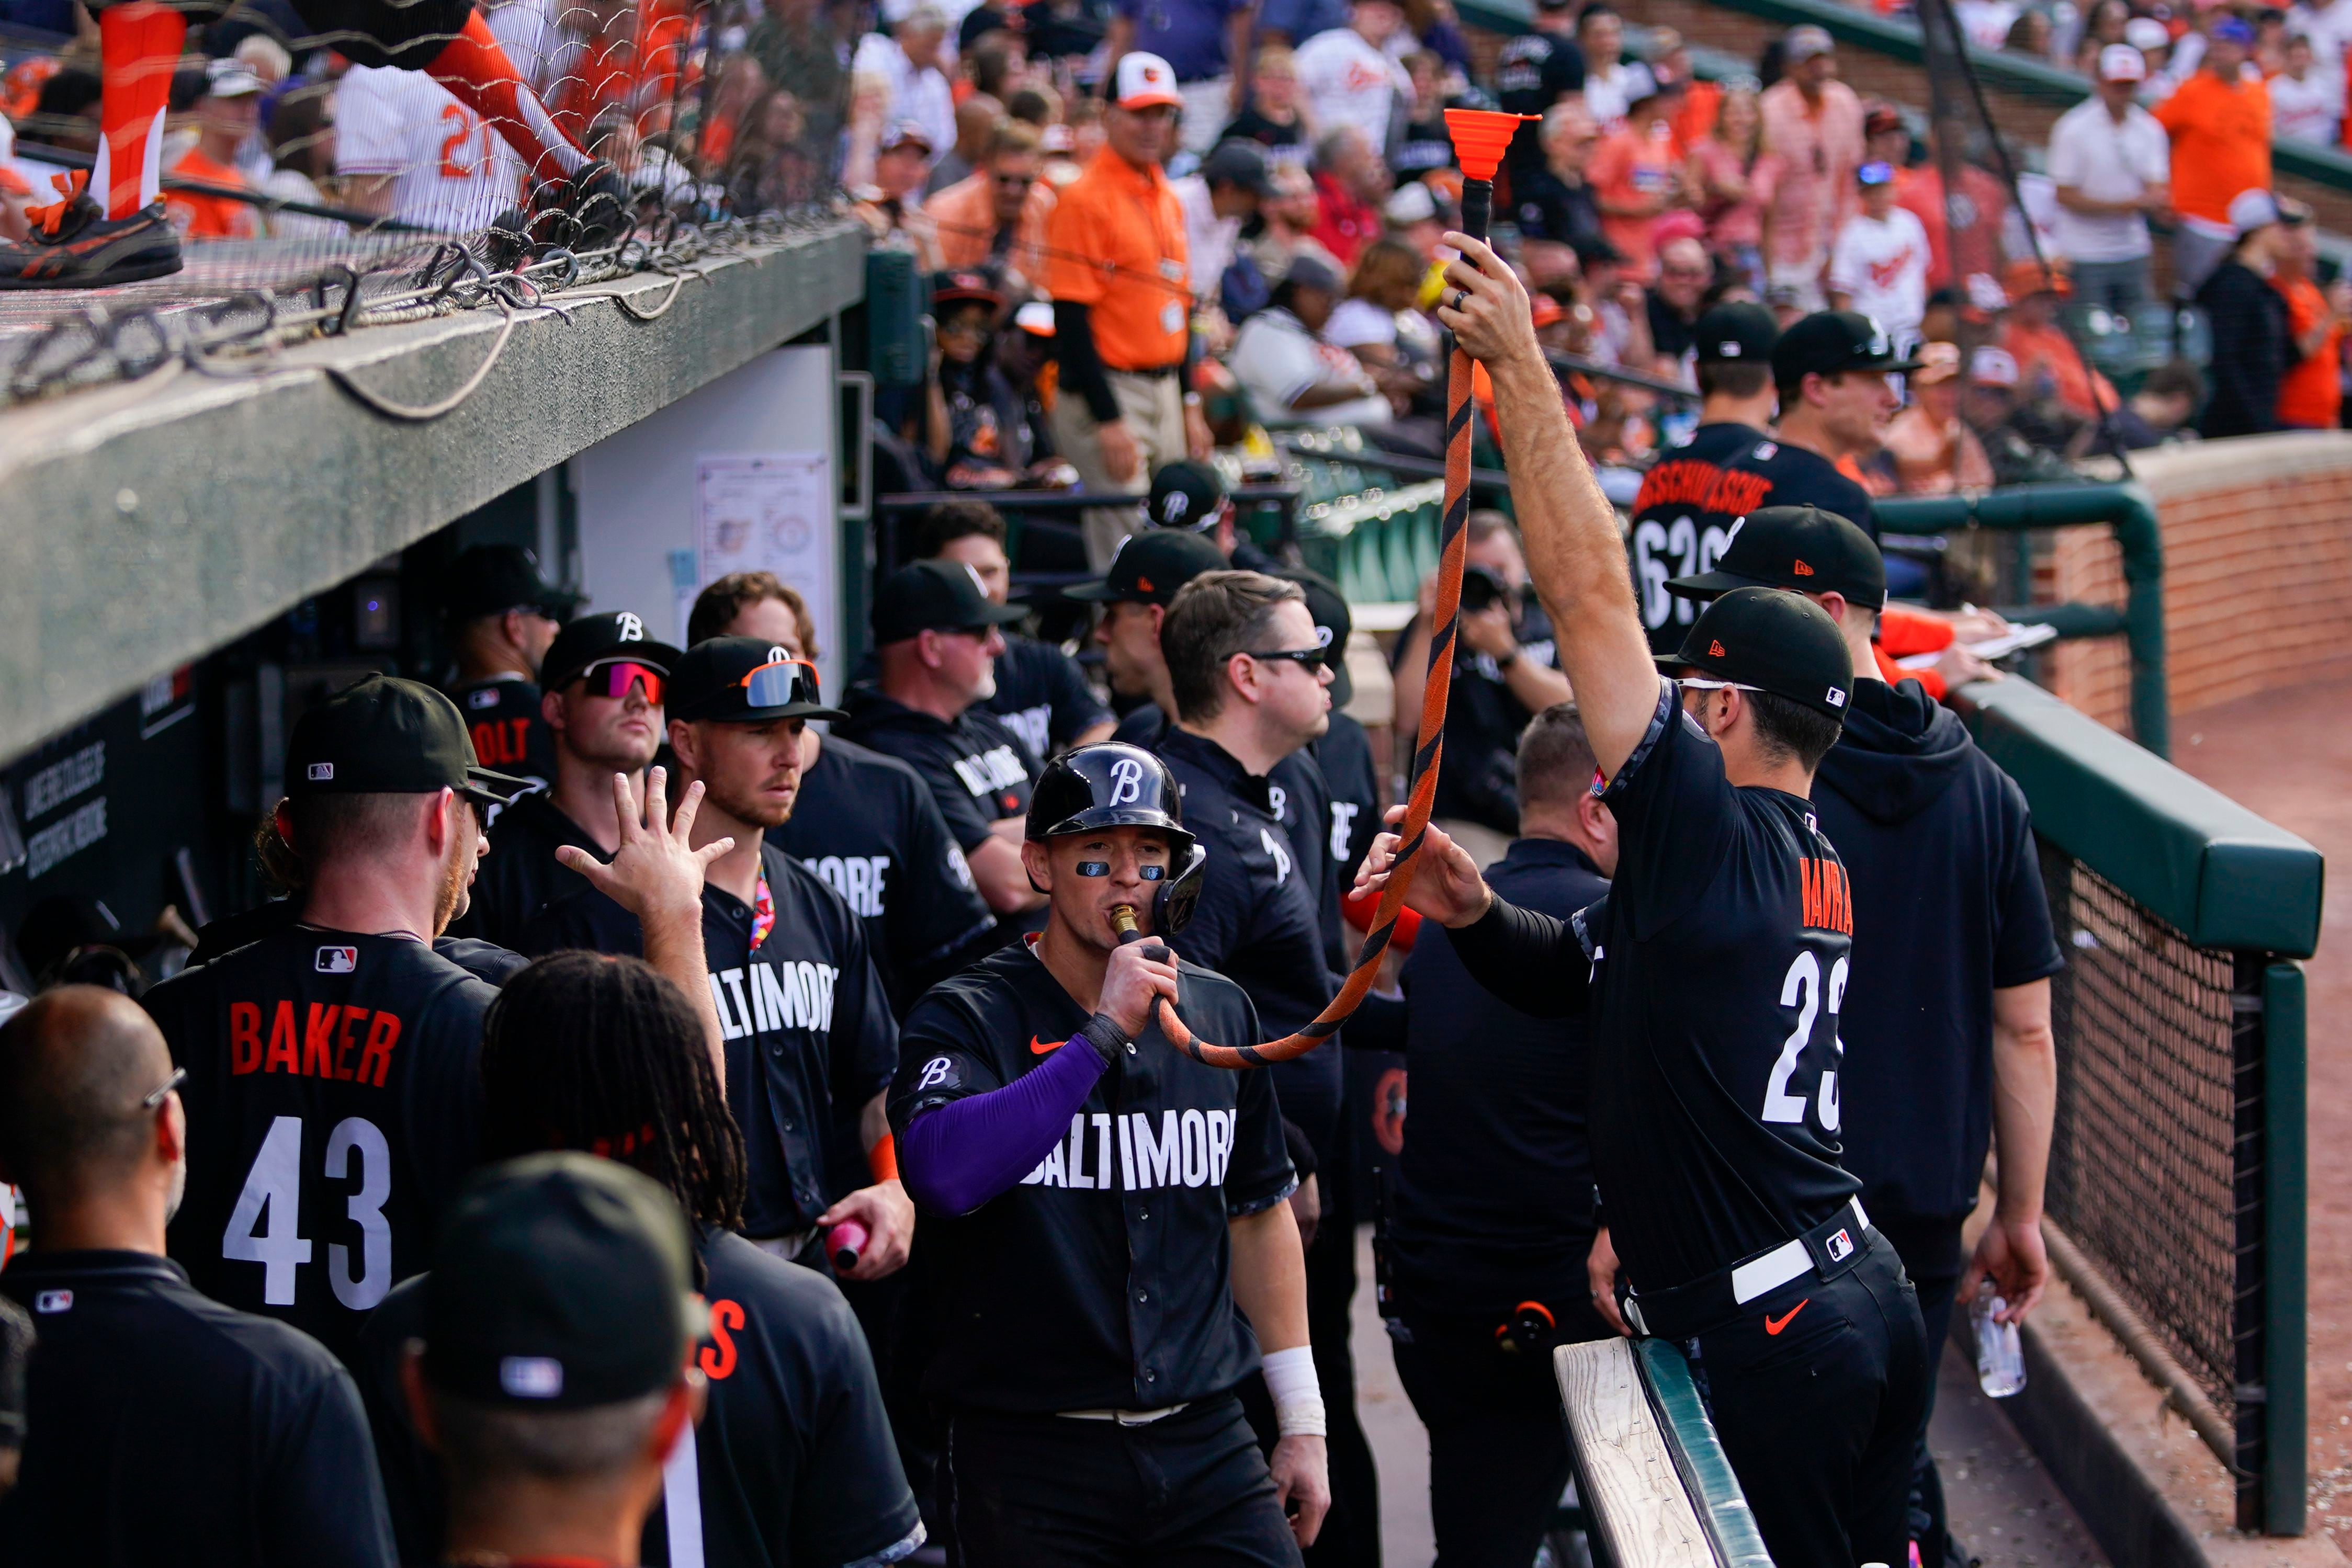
1574	551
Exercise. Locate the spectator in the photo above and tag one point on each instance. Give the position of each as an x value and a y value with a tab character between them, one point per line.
905	67
2029	35
1351	185
1969	260
1636	171
1557	207
302	140
996	217
2311	393
1886	139
1814	122
976	121
2327	24
2160	410
2305	105
1217	201
1294	21
892	208
2110	162
994	67
1425	146
1880	264
1930	450
2049	365
1670	60
801	50
1542	67
974	434
1201	40
1350	77
1676	298
1731	180
1274	118
1609	81
1294	377
1289	216
225	116
1984	24
1621	308
2220	122
1371	324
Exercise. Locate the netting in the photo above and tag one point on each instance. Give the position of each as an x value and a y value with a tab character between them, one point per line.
2142	1160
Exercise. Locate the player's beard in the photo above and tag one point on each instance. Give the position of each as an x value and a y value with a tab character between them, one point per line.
453	898
749	809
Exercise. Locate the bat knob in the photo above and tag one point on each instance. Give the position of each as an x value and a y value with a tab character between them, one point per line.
844	1242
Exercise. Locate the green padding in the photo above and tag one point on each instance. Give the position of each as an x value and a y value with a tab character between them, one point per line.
1698	1454
2223	875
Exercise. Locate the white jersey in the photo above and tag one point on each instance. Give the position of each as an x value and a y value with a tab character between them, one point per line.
1883	266
451	172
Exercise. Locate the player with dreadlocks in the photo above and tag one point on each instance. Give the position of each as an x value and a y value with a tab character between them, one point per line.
794	1461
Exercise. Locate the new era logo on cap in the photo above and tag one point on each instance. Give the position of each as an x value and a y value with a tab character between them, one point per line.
1715	650
531	1377
322	772
1801	569
336	960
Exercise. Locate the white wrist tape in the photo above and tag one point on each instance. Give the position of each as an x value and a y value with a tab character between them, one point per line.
1297	1396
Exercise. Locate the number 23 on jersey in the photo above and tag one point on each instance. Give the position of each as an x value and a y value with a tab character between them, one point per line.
1812	990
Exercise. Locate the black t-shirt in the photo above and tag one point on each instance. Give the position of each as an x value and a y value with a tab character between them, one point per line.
809	1035
1671	332
1425	149
1534	71
1484	720
867	824
980	771
1103	1279
1493	1199
1696	494
794	1460
520	875
334	1104
1352	791
1298	789
1546	207
1282	143
1042	697
162	1426
1940	844
511	734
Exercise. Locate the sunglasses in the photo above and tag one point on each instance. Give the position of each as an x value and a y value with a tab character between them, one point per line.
1307	658
613	680
781	684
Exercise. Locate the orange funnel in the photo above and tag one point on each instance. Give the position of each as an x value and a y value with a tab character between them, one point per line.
1479	137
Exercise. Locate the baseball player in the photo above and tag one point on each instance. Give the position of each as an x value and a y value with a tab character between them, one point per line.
331	1061
809	1042
1720	962
502	619
1100	1206
1343	754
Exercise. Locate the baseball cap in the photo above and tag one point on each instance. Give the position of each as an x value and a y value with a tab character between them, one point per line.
2121	62
1875	174
1410	202
384	735
603	638
2252	209
1991	367
1143	81
1803	43
1737	332
935	596
1236	163
947	288
1801	547
1308	270
561	1281
1881	119
231	78
490	580
1333	624
1036	317
1185	495
1829	341
2146	33
906	134
2229	30
1937	362
1771	640
1150	566
744	680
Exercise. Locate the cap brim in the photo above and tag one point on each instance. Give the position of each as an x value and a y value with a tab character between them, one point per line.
1151	101
1893	366
1708	584
770	715
1100	592
494	789
1002	614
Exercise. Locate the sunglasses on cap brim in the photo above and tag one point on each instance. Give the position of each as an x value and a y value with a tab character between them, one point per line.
1706	684
781	684
615	678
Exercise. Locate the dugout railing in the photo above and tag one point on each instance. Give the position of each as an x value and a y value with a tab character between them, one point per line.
2177	1172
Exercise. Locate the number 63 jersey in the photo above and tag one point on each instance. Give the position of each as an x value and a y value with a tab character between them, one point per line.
334	1105
1720	959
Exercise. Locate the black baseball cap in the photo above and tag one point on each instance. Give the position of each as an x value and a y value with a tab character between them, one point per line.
1328	606
384	735
1801	547
935	596
561	1281
1737	333
743	680
490	580
1771	640
1150	566
1185	495
603	638
1235	162
1828	342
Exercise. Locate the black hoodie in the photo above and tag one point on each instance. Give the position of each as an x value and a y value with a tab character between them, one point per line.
1948	907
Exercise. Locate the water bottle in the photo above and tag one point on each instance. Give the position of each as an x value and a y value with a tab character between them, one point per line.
2000	1359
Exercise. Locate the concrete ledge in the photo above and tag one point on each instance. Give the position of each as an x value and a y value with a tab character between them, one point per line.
146	524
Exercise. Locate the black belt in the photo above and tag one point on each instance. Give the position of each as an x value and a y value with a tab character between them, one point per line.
1155	372
1830	1248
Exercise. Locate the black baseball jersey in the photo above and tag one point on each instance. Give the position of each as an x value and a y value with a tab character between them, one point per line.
509	733
520	875
1484	719
1042	697
1535	71
162	1426
808	1030
1352	787
792	1461
334	1105
1297	788
486	961
867	824
980	771
1103	1279
1693	497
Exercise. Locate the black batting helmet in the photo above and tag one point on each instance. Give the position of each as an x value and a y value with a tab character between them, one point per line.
1111	785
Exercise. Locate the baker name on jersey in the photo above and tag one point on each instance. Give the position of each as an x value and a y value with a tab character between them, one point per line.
861	880
352	1045
993	770
1187	1148
793	994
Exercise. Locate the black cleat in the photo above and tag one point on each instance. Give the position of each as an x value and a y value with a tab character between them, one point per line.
76	245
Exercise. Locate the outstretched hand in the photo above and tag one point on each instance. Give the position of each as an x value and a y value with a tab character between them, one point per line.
1492	321
1446	887
657	872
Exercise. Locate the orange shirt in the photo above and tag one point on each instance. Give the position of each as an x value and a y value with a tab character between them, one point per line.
2311	393
2220	143
2037	350
1694	122
200	216
1117	239
965	212
1630	164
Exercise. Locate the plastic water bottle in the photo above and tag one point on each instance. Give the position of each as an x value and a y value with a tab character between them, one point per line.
2000	1358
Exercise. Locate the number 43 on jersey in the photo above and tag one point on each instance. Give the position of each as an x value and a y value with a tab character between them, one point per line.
263	1226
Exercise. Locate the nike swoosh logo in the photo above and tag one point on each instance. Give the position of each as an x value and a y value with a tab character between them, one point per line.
1040	1047
1774	1325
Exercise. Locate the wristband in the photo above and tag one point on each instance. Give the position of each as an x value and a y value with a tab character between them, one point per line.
1297	1396
882	1159
1104	1035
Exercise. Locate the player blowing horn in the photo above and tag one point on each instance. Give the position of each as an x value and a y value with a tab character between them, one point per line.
1099	1203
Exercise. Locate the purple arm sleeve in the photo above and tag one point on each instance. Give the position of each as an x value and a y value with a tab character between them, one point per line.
959	1156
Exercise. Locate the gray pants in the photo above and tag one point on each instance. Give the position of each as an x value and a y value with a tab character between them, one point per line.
2195	254
1152	409
2120	287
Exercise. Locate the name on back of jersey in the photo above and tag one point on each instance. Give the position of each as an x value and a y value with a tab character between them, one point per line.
1692	482
1827	896
993	770
791	994
330	1040
1187	1148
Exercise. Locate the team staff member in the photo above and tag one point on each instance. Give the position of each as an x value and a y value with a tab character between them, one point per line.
164	1426
332	1062
1135	591
1343	756
938	635
1101	1205
1041	694
865	822
603	705
1720	961
792	1461
809	1039
1118	271
503	617
1946	1023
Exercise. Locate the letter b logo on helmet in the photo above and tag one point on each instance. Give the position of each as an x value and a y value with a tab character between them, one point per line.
630	629
1126	782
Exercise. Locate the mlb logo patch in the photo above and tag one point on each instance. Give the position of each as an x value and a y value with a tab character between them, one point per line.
1840	1246
531	1377
1837	697
337	960
53	1302
322	772
486	698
